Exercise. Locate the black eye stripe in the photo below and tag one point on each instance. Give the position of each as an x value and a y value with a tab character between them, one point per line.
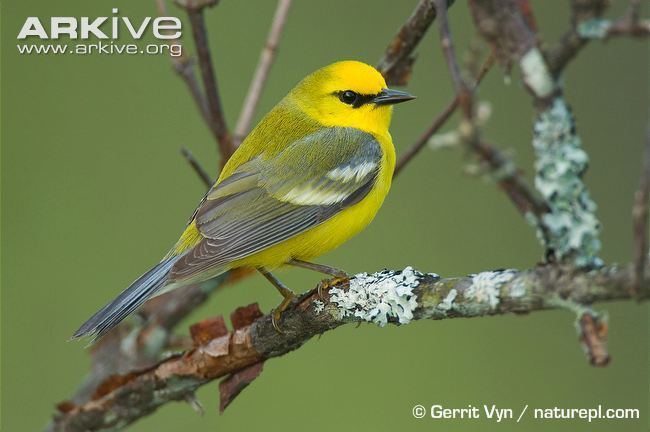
361	99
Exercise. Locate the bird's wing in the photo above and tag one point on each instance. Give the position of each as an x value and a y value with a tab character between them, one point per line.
270	199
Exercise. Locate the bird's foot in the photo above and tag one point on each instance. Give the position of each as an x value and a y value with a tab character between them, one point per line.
276	317
326	284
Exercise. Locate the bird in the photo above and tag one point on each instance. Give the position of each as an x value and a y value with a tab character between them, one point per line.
312	174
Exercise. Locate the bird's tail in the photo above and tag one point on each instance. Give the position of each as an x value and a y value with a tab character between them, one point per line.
127	301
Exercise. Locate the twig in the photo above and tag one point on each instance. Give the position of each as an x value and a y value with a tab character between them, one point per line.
196	166
397	63
640	217
510	181
584	12
184	66
506	175
217	118
631	23
463	93
121	400
439	121
421	142
264	64
592	331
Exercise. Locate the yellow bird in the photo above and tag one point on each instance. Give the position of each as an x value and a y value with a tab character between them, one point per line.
312	174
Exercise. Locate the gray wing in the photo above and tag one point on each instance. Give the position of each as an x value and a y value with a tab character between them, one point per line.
269	200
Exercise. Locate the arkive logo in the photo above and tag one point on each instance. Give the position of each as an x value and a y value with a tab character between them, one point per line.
105	35
113	27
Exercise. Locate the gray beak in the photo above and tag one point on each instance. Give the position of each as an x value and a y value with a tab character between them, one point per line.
391	97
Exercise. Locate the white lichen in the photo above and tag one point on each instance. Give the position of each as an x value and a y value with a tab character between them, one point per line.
486	287
379	297
596	28
456	137
570	228
536	74
448	302
444	140
517	289
318	306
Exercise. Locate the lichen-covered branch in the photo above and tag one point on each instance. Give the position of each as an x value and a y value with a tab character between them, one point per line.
572	230
396	297
569	230
587	23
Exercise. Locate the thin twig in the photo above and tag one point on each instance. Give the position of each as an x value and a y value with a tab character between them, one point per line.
196	166
592	332
439	121
217	118
422	141
123	399
640	216
570	44
510	181
506	175
461	88
264	64
184	66
398	59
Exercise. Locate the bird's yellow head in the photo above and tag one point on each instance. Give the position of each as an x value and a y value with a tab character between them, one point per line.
348	94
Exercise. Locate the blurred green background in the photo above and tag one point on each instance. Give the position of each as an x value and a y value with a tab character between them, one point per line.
94	191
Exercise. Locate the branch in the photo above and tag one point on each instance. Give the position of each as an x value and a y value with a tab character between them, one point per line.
463	93
184	66
570	229
439	121
509	179
587	24
261	72
196	166
139	344
397	63
217	122
571	42
505	173
396	297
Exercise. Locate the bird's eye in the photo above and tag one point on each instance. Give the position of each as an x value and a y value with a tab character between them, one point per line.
348	97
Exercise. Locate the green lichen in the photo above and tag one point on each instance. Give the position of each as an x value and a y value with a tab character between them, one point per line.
571	229
596	28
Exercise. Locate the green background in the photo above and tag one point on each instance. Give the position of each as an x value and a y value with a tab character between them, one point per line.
94	191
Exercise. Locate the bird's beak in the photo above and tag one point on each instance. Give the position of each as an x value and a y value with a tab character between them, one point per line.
391	97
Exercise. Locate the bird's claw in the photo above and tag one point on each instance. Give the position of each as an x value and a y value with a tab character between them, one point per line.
276	317
326	284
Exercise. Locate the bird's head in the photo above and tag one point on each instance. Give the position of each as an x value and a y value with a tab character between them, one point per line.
349	94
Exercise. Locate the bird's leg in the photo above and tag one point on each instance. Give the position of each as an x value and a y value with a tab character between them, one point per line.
286	293
338	276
